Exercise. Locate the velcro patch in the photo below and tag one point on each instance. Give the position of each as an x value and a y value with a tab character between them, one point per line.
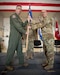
13	16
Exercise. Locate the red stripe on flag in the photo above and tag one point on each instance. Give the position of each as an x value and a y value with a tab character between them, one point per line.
32	4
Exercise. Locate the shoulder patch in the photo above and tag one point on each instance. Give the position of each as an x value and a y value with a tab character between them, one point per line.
13	16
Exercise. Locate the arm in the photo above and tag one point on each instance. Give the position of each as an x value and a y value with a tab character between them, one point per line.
25	23
41	23
17	25
36	25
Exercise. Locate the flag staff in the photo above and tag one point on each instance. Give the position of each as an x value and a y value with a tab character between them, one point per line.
30	14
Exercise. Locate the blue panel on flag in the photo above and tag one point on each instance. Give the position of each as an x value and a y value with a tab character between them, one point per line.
30	12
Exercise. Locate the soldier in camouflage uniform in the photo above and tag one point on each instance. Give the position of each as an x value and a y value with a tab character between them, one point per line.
15	38
46	24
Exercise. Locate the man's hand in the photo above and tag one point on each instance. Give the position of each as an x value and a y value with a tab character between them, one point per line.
26	33
29	18
29	27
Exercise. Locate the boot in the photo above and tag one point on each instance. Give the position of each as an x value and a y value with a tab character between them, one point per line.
7	68
48	67
45	64
10	68
30	56
24	65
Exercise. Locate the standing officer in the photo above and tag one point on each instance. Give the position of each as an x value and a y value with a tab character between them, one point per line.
48	39
15	38
46	24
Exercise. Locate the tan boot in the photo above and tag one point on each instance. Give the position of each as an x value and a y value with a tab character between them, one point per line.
24	65
30	57
10	68
48	67
7	68
44	64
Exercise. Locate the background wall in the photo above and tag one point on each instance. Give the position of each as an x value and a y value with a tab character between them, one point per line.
7	7
1	25
5	22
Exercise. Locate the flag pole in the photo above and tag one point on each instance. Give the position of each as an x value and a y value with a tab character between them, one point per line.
27	34
27	38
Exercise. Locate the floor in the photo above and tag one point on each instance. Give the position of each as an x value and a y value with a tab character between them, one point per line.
34	67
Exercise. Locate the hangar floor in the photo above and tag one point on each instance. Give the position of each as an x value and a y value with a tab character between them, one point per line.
34	67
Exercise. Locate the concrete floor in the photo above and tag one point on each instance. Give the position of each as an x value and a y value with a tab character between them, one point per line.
34	67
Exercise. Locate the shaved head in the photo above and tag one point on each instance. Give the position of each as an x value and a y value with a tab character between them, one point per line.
44	13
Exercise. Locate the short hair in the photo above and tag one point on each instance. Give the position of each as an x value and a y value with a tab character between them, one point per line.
18	5
43	10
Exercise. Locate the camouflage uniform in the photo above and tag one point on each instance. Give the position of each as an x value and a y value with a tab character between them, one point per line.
46	25
48	39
